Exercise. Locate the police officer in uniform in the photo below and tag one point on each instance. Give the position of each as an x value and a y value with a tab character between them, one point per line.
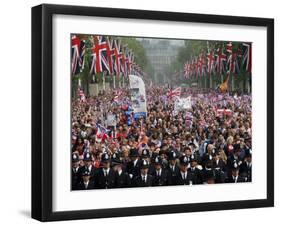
122	178
208	170
105	176
160	174
88	165
76	172
194	171
86	183
144	179
246	166
219	167
173	169
133	166
235	177
209	177
146	156
234	158
183	176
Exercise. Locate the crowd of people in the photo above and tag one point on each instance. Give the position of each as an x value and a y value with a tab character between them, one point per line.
206	144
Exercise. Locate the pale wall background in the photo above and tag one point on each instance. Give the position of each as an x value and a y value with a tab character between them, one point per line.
15	93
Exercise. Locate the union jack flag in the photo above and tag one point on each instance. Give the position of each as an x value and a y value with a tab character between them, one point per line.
174	93
118	56
102	133
77	54
211	62
221	59
100	55
247	57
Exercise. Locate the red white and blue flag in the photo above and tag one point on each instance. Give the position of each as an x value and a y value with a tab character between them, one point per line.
77	54
100	55
174	93
102	133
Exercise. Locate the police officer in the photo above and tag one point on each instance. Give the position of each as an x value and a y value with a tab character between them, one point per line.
76	172
86	183
183	176
144	179
208	170
160	174
133	166
209	177
87	159
246	166
208	156
122	178
235	177
105	176
195	171
219	167
146	156
235	157
173	169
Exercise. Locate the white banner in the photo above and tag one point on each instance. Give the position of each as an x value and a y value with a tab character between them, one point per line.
182	104
138	96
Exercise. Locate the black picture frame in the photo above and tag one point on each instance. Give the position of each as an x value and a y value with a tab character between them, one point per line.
42	111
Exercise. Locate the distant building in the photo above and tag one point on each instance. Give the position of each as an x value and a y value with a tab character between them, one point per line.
161	53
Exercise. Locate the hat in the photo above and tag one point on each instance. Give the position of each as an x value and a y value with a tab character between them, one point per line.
86	172
145	153
144	164
248	153
235	166
134	152
184	160
236	147
193	158
172	155
157	160
105	157
75	157
115	159
209	175
87	156
191	144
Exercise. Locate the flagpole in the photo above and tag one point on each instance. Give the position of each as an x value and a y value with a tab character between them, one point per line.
114	81
103	81
232	82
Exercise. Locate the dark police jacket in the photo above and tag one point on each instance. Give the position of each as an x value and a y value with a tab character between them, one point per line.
81	186
123	180
246	171
138	182
231	179
92	172
172	174
161	180
134	170
182	181
196	175
104	182
75	177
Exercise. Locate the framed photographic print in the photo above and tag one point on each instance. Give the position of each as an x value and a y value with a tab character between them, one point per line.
146	112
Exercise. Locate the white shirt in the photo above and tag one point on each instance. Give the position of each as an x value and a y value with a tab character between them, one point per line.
119	172
143	177
158	172
184	175
135	162
89	167
86	184
105	172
